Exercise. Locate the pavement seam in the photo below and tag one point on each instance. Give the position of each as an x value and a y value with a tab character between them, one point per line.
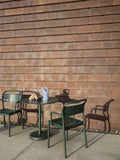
22	151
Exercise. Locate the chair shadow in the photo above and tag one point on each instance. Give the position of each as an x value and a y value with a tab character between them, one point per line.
26	110
64	97
103	116
90	143
14	126
6	128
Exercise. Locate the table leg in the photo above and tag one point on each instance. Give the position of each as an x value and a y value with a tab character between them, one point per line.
39	135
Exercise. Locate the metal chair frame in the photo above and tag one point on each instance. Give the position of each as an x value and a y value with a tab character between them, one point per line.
67	120
11	96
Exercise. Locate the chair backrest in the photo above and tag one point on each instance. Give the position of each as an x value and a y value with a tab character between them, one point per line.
11	96
73	107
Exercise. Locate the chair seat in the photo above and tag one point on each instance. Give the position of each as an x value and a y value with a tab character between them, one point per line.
8	111
69	122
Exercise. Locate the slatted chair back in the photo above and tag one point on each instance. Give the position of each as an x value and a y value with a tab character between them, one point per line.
9	96
73	108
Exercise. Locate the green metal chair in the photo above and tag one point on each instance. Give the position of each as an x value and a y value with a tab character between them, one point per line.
10	98
67	119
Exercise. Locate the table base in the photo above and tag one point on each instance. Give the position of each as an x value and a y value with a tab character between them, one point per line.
36	136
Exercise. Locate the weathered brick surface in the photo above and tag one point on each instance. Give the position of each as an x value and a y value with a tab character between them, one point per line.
72	47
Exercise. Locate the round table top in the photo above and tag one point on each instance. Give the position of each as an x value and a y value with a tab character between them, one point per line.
40	101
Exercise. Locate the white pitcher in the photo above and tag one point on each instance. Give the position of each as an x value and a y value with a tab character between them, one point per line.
45	94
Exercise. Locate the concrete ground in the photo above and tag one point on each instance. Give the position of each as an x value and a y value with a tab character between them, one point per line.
20	147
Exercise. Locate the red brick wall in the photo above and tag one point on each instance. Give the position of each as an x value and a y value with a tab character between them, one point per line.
63	44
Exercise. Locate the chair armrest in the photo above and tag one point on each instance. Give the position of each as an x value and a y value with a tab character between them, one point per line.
54	113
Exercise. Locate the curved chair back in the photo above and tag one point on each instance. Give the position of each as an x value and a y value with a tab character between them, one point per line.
73	107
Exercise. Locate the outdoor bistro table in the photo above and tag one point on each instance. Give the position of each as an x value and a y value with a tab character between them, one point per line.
39	135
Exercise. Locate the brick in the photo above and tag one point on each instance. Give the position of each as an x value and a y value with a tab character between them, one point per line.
49	39
44	47
63	85
27	55
27	25
99	77
78	93
50	54
14	63
77	77
7	48
2	12
50	85
22	33
115	77
7	19
33	9
33	63
100	3
111	52
99	94
65	46
115	35
104	19
55	77
111	69
49	15
17	77
109	27
14	40
24	48
101	36
78	37
104	10
55	23
34	77
94	86
89	69
10	55
116	2
8	70
14	11
9	83
2	62
77	21
104	61
94	53
27	84
110	44
88	45
77	85
115	94
65	69
88	29
110	86
7	34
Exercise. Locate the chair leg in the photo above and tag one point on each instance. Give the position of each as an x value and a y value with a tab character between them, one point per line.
48	134
9	126
65	152
85	135
67	135
4	122
22	120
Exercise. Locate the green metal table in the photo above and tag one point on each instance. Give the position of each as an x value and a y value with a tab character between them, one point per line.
39	135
